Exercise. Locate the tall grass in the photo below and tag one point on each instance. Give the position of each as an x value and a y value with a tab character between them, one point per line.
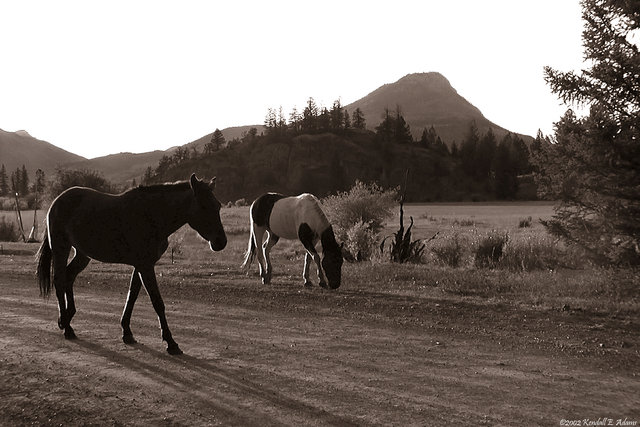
449	251
8	230
489	249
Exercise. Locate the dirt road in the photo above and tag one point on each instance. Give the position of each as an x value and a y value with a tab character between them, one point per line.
285	355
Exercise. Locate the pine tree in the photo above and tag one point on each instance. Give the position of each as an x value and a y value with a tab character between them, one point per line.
402	131
428	137
357	119
468	150
217	138
4	181
485	151
337	116
346	120
593	164
310	117
24	181
39	184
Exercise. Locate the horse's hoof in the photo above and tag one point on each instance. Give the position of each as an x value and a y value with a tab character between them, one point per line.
129	339
308	284
174	350
70	335
323	285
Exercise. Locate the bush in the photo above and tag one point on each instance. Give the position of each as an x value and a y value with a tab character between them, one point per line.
358	216
530	253
9	204
449	251
8	230
489	249
67	178
525	222
361	241
241	202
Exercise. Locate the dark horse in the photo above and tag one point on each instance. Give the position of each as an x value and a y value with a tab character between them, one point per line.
130	228
293	218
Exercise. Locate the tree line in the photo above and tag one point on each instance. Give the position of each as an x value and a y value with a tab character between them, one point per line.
19	182
32	193
487	166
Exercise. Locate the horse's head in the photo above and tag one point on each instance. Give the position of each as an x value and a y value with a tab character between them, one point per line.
331	258
332	266
204	216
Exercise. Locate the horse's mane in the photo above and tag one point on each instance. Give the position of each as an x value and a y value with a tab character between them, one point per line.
320	212
160	188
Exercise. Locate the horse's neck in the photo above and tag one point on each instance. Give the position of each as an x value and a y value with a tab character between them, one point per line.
321	222
170	209
328	240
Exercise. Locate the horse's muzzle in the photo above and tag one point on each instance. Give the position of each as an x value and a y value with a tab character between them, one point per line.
218	244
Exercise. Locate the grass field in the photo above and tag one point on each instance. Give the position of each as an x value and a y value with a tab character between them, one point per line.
569	282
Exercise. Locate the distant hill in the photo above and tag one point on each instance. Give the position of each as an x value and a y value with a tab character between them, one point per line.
19	148
425	99
122	168
229	134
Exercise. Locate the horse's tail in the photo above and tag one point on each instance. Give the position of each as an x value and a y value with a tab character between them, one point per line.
251	250
44	266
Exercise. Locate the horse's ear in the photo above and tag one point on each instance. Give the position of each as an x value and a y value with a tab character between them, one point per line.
193	181
212	183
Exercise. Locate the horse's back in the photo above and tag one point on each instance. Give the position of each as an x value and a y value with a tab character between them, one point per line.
262	207
289	213
67	205
95	223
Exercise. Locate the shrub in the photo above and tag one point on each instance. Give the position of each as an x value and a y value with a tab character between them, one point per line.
358	216
525	222
241	202
449	251
539	252
529	253
489	249
8	230
361	241
67	178
464	222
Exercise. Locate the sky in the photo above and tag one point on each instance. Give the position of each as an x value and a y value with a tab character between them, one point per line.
103	77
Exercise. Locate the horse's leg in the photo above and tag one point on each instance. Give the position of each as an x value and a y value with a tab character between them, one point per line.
309	240
151	285
305	272
322	280
77	264
59	261
125	320
272	239
258	235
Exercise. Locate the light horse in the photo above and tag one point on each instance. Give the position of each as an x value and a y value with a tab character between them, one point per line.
130	228
294	218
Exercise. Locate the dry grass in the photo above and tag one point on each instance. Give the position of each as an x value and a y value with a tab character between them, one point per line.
534	269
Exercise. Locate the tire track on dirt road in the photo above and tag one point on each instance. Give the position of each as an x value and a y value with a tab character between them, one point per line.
208	388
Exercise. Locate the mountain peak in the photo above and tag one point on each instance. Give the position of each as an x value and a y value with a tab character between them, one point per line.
430	78
425	100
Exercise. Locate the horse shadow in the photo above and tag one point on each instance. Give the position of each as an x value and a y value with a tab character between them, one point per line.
170	373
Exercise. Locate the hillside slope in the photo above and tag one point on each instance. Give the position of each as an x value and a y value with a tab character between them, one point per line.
425	99
20	148
322	164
